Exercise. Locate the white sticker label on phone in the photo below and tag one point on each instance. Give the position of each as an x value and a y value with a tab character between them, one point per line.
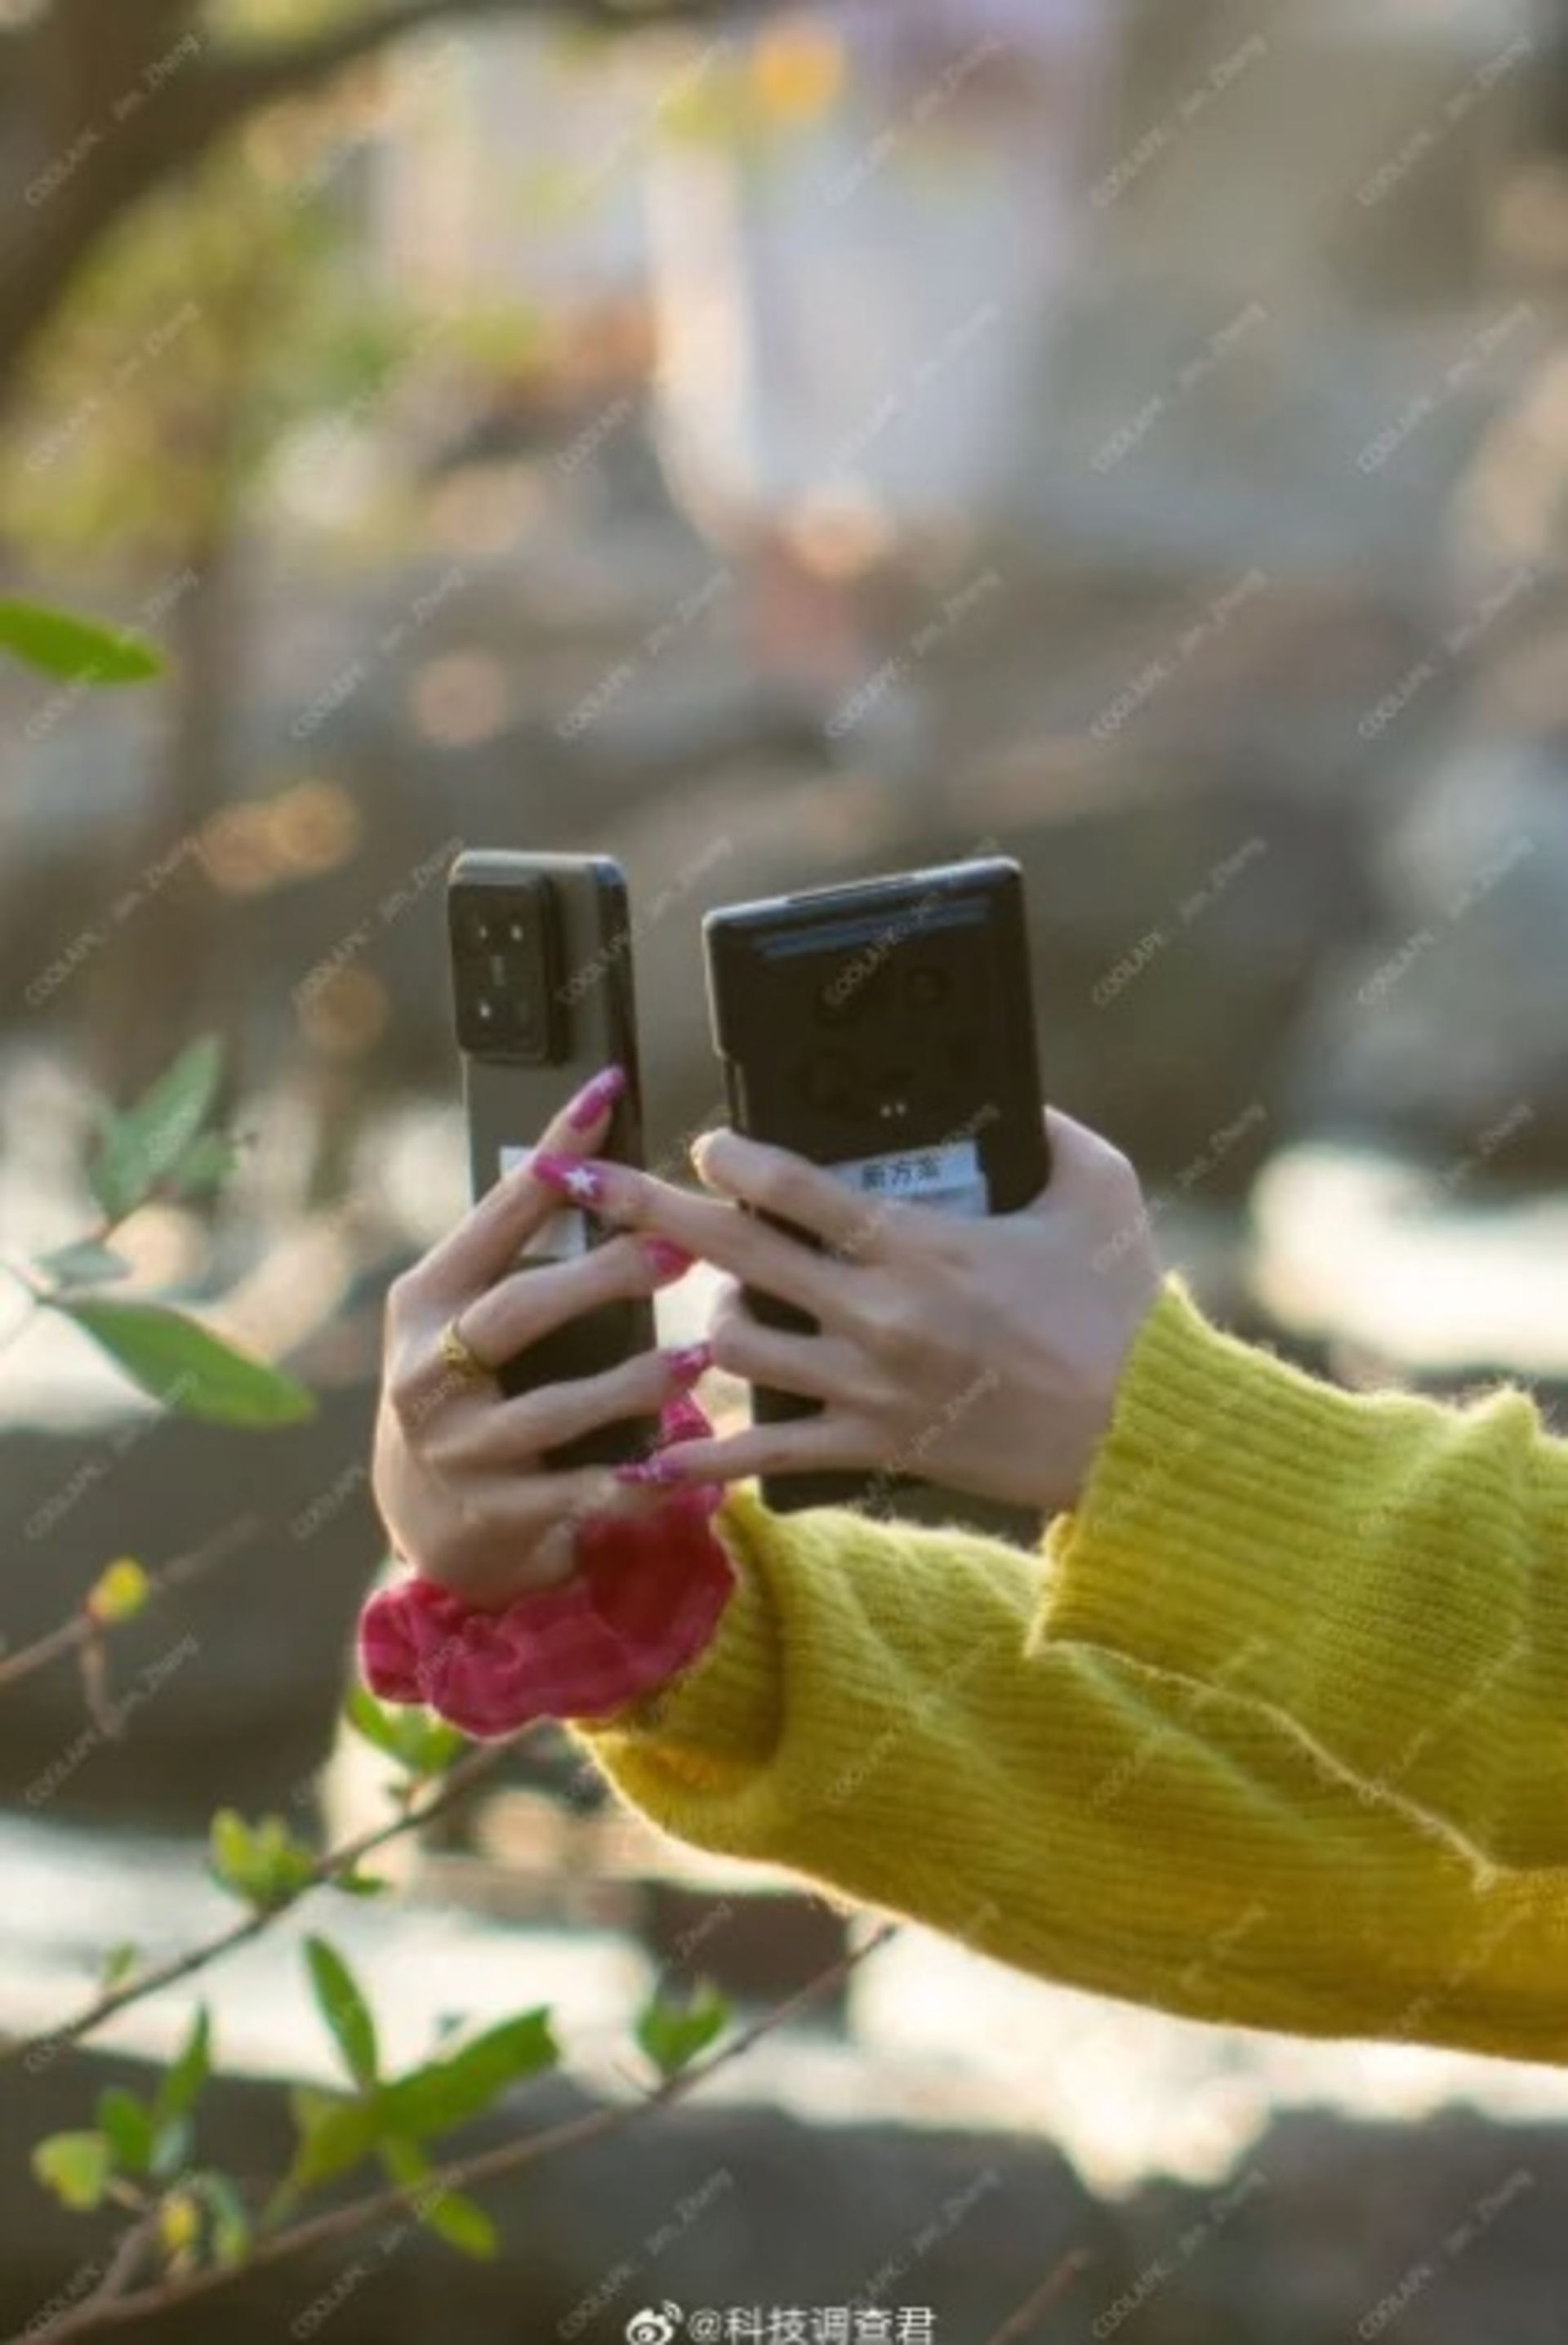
949	1177
563	1236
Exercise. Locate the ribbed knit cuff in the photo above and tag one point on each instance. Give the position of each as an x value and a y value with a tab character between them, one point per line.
1227	1487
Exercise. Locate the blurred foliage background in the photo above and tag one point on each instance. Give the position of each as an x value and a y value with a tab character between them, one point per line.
772	445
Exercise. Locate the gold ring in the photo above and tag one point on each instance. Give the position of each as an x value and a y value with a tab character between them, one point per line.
461	1358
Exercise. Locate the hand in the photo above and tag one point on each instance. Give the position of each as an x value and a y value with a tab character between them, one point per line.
983	1355
458	1473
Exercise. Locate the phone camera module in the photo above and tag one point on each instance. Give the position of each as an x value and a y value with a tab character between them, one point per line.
504	954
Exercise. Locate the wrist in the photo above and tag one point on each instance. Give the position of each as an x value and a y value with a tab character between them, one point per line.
644	1601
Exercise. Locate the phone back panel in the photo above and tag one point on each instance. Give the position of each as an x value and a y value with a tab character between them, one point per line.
887	1030
589	1022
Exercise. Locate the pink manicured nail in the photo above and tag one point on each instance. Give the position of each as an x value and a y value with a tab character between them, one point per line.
596	1098
681	1420
579	1184
670	1261
689	1365
661	1473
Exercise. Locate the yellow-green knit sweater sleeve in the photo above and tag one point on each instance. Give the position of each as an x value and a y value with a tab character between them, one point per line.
1138	1763
1390	1575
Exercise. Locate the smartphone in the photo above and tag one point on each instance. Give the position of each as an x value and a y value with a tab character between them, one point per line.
886	1031
542	990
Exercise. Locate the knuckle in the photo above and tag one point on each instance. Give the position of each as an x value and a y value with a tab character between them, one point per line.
887	1321
401	1300
406	1404
628	1198
1114	1167
623	1265
521	1428
767	1455
731	1335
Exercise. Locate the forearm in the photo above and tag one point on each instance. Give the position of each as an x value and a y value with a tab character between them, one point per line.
880	1714
1389	1574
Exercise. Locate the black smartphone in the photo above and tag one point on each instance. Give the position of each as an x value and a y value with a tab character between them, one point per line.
886	1031
542	988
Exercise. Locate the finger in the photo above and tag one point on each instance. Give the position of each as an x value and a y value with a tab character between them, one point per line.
816	1367
1081	1161
520	1430
487	1241
718	1233
806	1446
511	1539
532	1304
775	1180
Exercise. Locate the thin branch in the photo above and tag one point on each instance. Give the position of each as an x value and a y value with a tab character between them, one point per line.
180	1572
125	2264
464	2174
1052	2289
454	1785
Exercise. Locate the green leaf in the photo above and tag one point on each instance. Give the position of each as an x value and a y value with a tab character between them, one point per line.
230	1851
206	1165
86	1263
171	2148
462	2225
463	2083
422	1744
76	2167
59	643
181	2085
117	1966
263	1865
672	2033
375	1723
138	1148
452	2216
334	2136
287	1865
230	2219
127	2125
360	1884
186	1366
344	2009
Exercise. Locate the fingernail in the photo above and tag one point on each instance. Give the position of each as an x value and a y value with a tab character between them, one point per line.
569	1177
596	1098
689	1364
670	1261
651	1474
680	1419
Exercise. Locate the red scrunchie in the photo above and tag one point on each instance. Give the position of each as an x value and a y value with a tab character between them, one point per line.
643	1601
